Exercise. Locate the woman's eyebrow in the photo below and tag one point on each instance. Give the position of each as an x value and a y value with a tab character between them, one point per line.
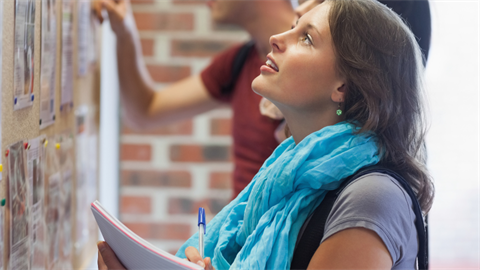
311	26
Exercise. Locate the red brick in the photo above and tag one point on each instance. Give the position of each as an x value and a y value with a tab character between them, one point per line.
182	179
224	27
160	231
180	206
164	21
220	180
143	230
166	74
200	153
188	206
141	2
189	2
135	205
178	128
172	232
147	46
221	126
136	152
198	48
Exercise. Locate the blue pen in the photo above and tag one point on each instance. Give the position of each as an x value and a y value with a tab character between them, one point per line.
202	229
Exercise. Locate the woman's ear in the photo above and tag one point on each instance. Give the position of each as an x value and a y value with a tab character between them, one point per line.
338	95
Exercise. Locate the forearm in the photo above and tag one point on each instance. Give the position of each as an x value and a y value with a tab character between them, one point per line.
136	87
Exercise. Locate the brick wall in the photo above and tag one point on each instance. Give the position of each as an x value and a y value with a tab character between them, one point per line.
168	172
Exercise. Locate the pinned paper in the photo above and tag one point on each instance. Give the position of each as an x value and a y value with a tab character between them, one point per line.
66	98
23	53
48	63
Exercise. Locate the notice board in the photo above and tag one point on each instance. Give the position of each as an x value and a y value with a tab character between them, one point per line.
50	82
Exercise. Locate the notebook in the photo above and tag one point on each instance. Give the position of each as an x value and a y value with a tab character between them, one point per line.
133	251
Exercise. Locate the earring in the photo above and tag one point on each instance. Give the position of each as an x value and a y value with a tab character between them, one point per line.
339	111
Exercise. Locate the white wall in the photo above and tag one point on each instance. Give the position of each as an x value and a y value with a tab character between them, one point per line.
453	140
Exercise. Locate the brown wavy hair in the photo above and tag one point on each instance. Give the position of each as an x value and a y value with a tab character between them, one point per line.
382	63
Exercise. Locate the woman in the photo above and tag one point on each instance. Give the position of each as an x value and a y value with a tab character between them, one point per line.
347	80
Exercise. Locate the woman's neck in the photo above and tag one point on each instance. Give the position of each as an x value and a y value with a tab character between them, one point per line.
304	125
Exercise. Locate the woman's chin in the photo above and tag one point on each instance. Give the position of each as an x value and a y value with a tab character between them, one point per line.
259	85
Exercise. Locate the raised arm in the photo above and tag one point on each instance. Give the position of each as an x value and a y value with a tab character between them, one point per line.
145	107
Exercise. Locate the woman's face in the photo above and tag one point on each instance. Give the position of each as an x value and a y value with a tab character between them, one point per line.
300	71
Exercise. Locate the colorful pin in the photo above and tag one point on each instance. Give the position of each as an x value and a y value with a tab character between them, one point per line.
45	143
25	145
3	202
7	152
1	167
57	146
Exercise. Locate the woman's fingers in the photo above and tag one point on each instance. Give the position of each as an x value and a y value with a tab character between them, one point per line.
192	255
208	264
107	257
97	9
101	264
111	7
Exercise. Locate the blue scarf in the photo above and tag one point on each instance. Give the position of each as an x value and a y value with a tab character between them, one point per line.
259	228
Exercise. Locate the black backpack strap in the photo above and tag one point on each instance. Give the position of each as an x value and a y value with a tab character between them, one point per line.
308	245
237	66
313	234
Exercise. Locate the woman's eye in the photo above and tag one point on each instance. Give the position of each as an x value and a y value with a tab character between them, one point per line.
306	39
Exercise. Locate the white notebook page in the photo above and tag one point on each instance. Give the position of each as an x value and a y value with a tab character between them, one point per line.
133	251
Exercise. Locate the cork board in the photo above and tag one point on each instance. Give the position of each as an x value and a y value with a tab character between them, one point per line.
24	124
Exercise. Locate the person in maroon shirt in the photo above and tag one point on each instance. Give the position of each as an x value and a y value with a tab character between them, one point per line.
253	139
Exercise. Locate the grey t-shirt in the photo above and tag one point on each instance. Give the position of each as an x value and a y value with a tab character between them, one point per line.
377	202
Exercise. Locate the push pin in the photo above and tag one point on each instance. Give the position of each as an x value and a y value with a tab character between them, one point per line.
25	145
45	143
1	168
7	152
57	146
3	202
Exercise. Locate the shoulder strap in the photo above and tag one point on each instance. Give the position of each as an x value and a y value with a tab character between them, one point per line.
316	227
237	66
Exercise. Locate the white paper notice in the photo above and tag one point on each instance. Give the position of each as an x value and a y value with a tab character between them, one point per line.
48	66
83	36
82	155
66	202
1	35
53	219
24	49
20	203
67	55
92	44
36	174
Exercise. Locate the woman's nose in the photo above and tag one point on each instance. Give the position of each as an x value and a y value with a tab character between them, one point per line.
277	43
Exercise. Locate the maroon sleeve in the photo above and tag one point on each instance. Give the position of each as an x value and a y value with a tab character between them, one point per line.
219	73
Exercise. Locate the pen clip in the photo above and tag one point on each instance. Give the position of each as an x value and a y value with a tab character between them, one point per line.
201	219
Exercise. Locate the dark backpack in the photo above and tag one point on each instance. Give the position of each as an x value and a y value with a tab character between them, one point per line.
237	66
313	233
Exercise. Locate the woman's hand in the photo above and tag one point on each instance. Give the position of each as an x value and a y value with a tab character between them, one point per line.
107	258
193	256
118	13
